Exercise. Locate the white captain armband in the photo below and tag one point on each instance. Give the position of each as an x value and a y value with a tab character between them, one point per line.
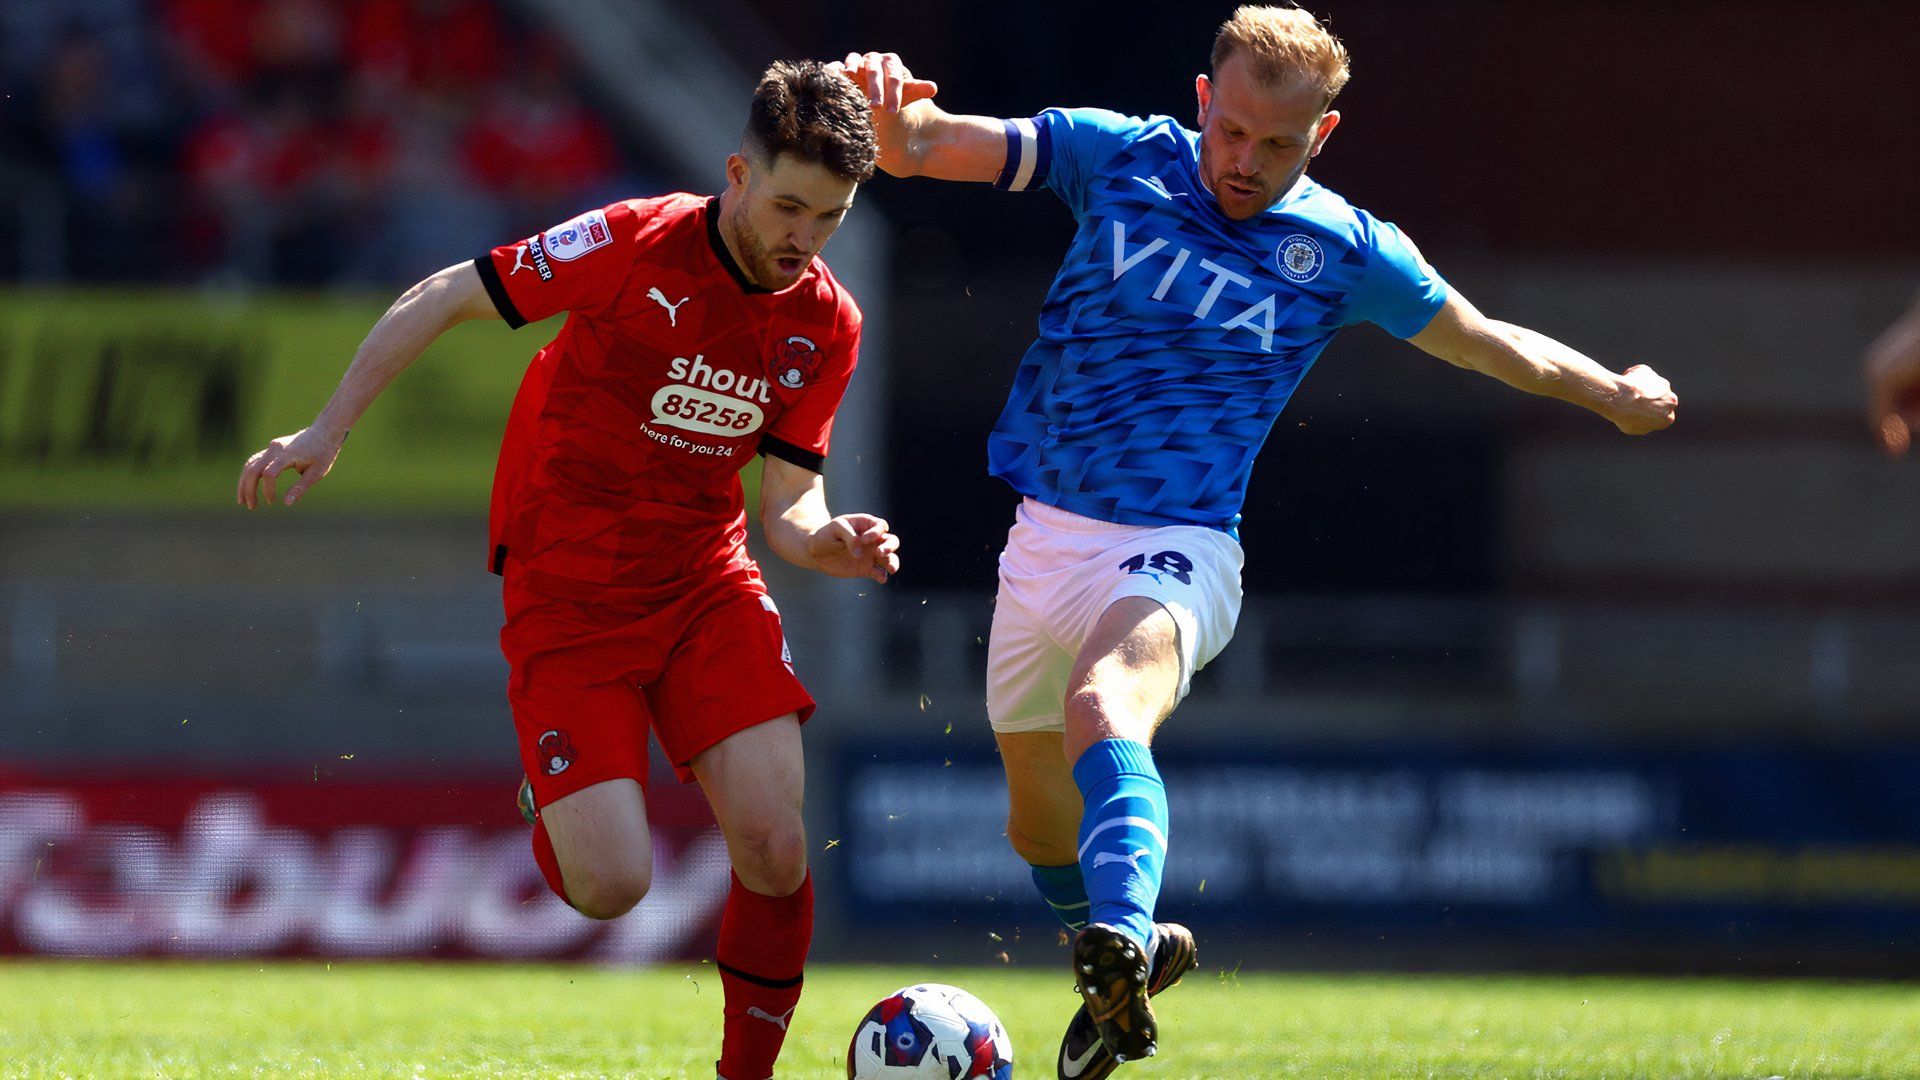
1029	155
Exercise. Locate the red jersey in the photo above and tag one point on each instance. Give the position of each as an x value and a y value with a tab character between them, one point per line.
619	473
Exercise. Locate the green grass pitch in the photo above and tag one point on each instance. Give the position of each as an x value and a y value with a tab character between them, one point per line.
352	1019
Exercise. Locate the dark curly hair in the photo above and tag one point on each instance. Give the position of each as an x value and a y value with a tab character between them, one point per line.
815	114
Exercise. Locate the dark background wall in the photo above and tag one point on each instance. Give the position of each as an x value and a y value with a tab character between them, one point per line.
1763	130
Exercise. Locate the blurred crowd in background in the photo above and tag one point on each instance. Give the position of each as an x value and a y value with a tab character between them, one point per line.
299	142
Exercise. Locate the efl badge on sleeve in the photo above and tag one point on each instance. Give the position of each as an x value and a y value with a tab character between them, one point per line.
567	242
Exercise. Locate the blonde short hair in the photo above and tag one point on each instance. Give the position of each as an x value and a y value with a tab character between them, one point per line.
1285	46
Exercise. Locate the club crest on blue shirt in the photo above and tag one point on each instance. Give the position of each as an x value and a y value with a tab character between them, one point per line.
1299	258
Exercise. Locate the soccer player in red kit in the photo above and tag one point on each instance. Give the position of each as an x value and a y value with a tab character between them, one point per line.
700	331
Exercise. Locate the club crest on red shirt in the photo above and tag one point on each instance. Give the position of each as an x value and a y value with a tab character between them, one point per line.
556	752
795	363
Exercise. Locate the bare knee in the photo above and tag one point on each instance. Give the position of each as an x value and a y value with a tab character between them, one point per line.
770	854
1113	701
1092	715
608	892
1043	806
1127	678
1041	846
1095	715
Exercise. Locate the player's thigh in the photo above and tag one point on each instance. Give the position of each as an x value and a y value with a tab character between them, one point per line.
730	671
601	841
1127	676
1043	805
1168	606
581	725
573	671
583	746
1026	671
755	780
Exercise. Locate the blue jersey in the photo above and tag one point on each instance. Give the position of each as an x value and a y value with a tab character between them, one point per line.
1172	336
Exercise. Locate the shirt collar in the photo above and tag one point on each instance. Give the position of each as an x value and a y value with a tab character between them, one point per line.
720	251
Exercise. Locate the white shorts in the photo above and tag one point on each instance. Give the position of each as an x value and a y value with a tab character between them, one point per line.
1060	572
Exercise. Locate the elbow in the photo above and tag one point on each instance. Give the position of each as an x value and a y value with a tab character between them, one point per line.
1502	354
422	294
428	307
1481	356
780	536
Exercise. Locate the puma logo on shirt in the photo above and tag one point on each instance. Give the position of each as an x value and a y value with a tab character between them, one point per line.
673	310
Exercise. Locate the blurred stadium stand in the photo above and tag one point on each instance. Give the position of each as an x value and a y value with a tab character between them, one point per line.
298	142
1437	566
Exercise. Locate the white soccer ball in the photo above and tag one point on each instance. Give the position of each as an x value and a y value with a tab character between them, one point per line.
930	1032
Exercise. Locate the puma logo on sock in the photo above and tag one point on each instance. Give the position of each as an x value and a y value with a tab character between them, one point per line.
1102	858
780	1021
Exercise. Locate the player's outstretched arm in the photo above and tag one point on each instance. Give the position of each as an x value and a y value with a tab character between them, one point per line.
1893	383
798	527
917	137
422	313
1637	400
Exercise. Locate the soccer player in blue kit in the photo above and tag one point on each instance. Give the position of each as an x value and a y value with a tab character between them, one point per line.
1207	273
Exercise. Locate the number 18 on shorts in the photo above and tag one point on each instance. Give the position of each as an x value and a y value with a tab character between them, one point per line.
1060	571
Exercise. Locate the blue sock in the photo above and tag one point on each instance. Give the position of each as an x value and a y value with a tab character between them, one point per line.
1123	834
1065	891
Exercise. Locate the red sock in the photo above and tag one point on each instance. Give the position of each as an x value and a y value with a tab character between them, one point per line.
763	951
549	864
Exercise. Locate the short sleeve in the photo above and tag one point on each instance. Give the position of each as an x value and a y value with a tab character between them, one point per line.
577	265
1398	292
1063	149
801	434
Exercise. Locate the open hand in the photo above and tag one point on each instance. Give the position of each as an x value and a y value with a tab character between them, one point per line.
885	80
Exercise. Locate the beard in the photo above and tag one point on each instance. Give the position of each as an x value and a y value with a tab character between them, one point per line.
760	264
1265	194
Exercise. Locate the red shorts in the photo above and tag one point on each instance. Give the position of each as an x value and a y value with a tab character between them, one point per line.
590	680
